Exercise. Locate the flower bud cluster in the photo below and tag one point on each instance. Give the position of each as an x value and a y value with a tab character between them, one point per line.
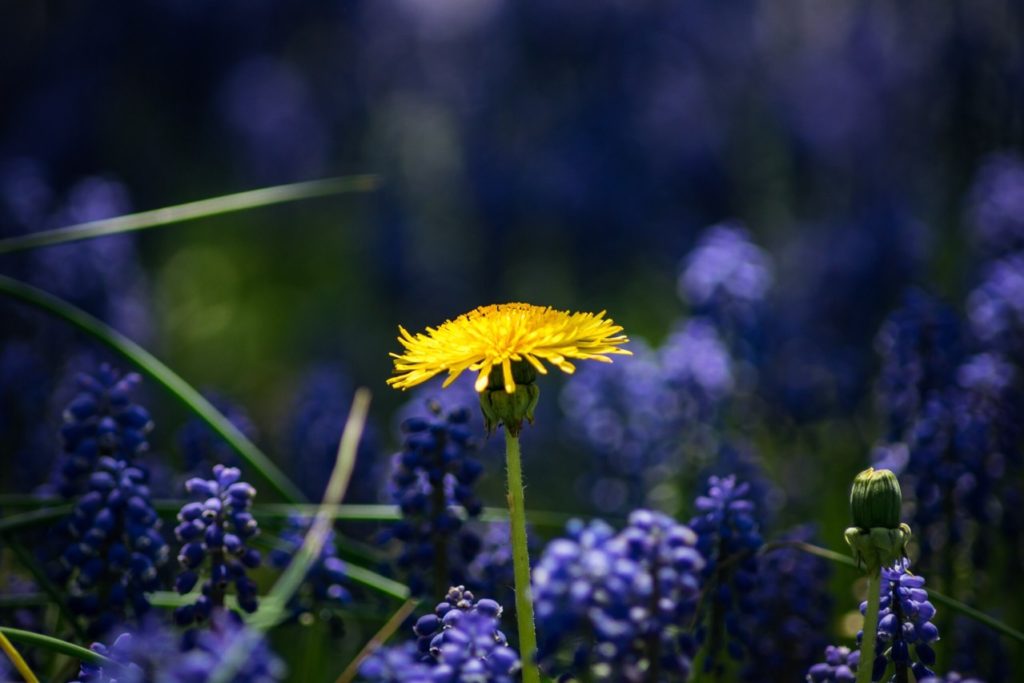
154	653
101	421
791	620
115	549
217	528
728	538
904	622
434	472
618	606
460	641
840	666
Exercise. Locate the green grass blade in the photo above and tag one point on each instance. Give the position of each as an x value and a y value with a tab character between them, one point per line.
377	582
354	512
313	543
379	638
274	607
54	645
34	518
162	374
941	598
179	213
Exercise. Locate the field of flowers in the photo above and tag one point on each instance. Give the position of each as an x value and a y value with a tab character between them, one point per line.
436	341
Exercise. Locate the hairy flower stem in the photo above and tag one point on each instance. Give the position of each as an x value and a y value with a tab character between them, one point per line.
521	561
867	644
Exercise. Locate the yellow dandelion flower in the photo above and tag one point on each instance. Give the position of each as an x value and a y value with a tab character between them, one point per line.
501	335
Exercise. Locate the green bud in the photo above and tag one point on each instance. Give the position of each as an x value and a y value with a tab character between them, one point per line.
875	500
502	408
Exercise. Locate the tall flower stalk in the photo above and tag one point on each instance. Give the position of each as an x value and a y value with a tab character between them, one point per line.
505	344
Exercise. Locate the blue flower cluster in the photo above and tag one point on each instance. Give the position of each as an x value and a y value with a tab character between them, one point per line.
435	472
726	277
619	607
995	210
101	421
840	666
904	622
315	420
324	584
951	677
790	622
639	419
218	529
460	641
920	345
995	307
116	548
153	653
728	538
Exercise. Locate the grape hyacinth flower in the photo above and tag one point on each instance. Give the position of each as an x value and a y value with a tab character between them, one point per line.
726	276
996	204
920	348
397	664
432	630
627	418
101	421
840	666
115	550
617	607
154	653
995	307
905	629
217	528
434	472
324	584
460	641
316	418
790	620
951	677
728	538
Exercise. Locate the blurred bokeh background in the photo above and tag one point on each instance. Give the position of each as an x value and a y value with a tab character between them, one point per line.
563	153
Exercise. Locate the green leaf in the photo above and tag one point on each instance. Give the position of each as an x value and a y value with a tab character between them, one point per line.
162	374
55	645
180	213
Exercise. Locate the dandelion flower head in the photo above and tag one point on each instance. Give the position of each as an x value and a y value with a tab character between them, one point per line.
500	335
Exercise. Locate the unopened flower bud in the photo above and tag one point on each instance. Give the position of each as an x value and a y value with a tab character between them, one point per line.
877	537
875	500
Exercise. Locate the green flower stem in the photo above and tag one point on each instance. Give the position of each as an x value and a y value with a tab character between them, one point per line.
521	560
867	644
